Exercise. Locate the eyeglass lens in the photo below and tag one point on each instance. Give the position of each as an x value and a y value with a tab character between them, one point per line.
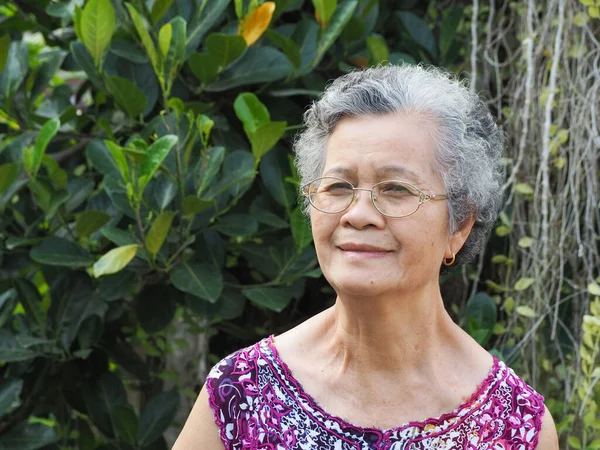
393	198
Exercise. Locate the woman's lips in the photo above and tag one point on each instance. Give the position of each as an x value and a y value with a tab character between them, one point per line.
363	251
364	255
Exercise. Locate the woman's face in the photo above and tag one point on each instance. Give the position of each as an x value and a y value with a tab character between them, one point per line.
361	251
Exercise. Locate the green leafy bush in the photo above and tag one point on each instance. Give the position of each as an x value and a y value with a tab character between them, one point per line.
147	185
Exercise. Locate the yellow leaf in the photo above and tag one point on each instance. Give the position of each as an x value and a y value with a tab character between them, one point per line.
524	188
523	283
594	12
594	289
525	311
115	260
254	25
526	242
559	162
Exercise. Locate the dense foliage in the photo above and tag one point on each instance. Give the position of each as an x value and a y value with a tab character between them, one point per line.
148	199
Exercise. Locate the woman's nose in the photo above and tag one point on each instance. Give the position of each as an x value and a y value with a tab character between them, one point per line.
362	211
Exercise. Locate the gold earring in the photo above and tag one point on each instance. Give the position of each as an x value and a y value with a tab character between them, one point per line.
449	261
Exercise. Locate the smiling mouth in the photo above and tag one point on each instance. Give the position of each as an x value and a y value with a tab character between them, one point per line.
362	248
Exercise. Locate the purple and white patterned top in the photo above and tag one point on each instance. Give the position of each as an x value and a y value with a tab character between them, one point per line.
259	405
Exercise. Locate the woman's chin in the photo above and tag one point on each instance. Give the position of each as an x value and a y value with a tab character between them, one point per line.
358	283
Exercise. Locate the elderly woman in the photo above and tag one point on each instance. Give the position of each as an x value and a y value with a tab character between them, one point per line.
401	169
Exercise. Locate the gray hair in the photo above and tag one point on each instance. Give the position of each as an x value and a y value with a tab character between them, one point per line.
468	143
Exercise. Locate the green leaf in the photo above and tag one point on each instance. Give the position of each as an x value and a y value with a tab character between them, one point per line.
206	15
118	155
57	175
229	306
117	236
55	251
130	51
32	156
300	229
419	31
97	26
8	174
158	231
204	124
378	49
157	416
324	9
204	66
172	45
29	296
155	306
28	436
100	398
126	423
90	221
251	111
265	138
449	27
159	8
273	298
340	18
237	225
162	191
77	12
354	30
225	48
9	394
208	167
113	287
144	35
50	63
127	95
523	283
257	65
200	279
4	45
115	260
153	158
288	46
11	351
164	38
238	172
192	205
15	69
482	309
86	63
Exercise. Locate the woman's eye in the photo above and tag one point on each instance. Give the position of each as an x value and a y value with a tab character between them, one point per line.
394	188
338	187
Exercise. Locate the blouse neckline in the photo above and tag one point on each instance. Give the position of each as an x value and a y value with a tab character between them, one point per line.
475	400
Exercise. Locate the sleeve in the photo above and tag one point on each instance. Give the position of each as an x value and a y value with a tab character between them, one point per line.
229	387
538	410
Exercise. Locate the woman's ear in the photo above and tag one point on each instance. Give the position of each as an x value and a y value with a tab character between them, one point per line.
459	237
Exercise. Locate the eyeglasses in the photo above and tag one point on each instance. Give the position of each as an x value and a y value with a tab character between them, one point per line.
391	198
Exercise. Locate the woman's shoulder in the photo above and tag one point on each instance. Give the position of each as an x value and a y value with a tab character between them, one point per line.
239	362
517	405
237	373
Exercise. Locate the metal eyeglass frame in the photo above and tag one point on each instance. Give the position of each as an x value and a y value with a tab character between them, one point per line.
423	196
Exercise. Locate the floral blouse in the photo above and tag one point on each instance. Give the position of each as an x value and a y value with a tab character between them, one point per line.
259	405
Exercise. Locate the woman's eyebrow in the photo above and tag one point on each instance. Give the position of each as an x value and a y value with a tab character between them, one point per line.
402	171
389	171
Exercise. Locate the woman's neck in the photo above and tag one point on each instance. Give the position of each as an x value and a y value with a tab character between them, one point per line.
403	334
